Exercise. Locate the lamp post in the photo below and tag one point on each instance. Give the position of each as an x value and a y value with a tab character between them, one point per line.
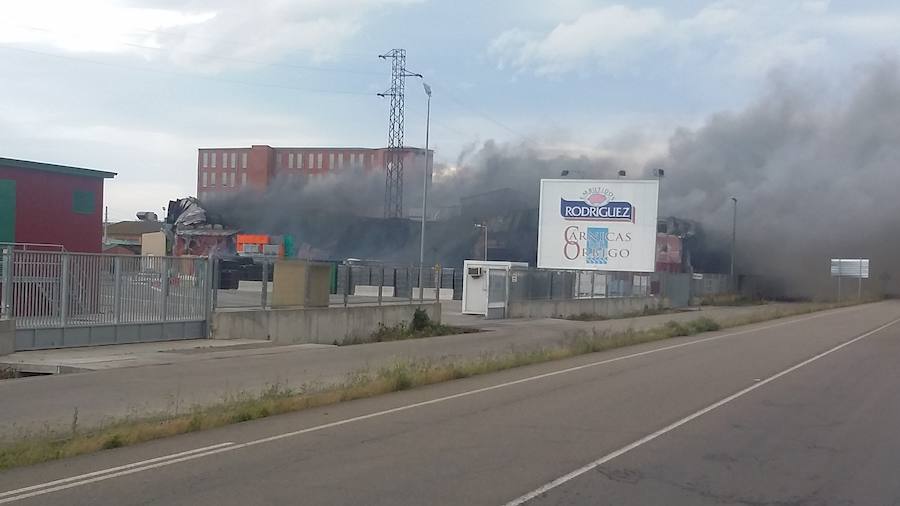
733	240
660	174
424	192
484	227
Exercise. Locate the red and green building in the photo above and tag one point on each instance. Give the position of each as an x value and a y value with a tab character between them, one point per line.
45	203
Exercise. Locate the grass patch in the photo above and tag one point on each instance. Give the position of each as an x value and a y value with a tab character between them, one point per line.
402	375
421	326
594	317
730	299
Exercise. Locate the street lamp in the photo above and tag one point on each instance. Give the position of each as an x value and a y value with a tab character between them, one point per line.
733	240
424	192
659	173
484	227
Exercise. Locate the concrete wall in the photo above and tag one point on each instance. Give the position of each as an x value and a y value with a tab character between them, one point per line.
610	307
7	337
314	325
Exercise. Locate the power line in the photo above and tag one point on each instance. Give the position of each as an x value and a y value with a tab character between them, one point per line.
309	68
186	75
445	91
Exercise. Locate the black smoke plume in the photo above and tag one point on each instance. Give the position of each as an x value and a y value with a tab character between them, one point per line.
815	169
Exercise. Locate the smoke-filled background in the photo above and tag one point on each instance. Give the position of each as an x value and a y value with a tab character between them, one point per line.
813	164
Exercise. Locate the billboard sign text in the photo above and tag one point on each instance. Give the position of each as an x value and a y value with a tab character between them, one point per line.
597	225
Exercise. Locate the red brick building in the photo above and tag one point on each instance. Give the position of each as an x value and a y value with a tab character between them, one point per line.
44	203
225	170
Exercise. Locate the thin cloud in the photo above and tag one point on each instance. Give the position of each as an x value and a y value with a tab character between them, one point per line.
199	34
727	37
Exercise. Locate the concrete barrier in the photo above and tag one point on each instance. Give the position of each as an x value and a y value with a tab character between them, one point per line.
607	307
446	293
372	291
314	325
7	337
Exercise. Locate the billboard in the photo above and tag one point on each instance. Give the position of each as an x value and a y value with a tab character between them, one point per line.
597	225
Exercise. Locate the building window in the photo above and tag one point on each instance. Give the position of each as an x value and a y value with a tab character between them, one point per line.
299	160
212	178
291	161
233	175
205	159
213	164
310	164
205	180
341	161
319	161
331	160
353	159
244	179
243	160
233	160
83	202
372	160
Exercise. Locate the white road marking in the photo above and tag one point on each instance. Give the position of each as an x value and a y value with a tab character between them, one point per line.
167	460
112	469
668	428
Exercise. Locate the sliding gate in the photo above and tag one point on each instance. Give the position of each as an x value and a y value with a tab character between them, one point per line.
60	299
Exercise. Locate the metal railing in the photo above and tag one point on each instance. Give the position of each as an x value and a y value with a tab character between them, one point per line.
353	284
541	284
31	246
43	289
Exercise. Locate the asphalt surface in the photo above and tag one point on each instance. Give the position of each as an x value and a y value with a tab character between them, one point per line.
177	381
796	411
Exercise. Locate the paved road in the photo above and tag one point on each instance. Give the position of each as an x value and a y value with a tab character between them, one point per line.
178	381
799	411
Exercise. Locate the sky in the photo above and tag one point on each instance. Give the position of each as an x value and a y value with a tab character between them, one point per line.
137	86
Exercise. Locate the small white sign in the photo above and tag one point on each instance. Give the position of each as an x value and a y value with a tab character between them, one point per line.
850	267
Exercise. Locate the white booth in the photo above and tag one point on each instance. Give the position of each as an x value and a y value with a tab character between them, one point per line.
477	276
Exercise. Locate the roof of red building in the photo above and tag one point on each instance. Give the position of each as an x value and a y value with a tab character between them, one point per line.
52	167
133	227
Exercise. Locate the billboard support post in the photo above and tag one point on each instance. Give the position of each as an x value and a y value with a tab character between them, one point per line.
851	268
859	283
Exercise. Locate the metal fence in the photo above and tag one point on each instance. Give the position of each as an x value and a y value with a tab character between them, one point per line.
402	279
43	289
540	284
354	284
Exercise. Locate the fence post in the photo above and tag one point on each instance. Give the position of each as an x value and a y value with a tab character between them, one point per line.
63	289
347	285
211	291
264	296
380	283
213	280
6	295
437	283
117	290
164	288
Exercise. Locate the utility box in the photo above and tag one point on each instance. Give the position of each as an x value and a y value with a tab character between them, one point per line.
301	284
154	243
484	286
